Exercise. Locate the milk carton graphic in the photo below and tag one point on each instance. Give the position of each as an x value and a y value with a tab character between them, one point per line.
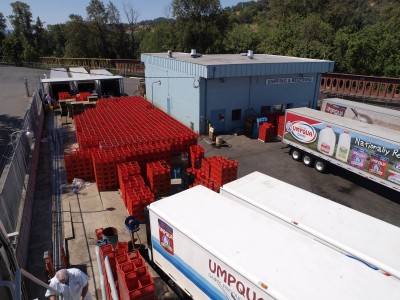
343	147
326	141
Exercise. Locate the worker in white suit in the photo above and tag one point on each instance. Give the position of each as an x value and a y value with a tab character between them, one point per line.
72	284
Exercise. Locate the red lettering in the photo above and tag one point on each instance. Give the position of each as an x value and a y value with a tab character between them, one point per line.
221	273
302	131
231	279
240	288
214	266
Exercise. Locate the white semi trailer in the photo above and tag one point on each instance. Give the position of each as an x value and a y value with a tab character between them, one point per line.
350	232
213	247
371	114
319	138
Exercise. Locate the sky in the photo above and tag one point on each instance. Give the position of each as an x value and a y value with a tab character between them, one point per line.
57	11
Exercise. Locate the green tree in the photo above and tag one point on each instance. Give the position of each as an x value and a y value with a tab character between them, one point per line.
29	53
132	15
374	50
56	39
3	27
21	20
117	38
97	24
12	49
39	37
161	39
202	25
240	39
76	33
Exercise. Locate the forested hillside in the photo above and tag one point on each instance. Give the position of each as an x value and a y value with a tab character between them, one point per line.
361	36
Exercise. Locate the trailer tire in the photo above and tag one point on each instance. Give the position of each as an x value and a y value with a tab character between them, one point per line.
320	166
296	154
307	160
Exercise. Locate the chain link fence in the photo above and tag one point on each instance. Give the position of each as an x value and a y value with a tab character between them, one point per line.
15	176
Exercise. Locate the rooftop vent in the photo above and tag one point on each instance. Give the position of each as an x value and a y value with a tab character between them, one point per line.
250	54
169	53
194	54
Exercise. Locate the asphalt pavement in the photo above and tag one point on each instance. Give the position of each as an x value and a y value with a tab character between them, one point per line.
14	99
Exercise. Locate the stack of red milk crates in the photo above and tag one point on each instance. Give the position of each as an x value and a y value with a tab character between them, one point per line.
78	164
135	194
266	132
159	177
196	155
128	176
64	95
214	171
222	170
137	198
126	128
82	96
105	167
274	119
131	275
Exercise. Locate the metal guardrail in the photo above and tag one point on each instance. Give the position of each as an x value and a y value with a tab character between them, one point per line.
376	89
124	67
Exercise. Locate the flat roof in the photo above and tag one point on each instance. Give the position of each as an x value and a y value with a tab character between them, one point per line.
322	217
236	65
100	72
78	72
292	265
58	73
90	78
233	59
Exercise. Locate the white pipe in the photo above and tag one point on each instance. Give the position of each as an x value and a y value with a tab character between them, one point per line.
103	287
111	281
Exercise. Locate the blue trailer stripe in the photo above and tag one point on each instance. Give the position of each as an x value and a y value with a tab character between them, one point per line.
189	272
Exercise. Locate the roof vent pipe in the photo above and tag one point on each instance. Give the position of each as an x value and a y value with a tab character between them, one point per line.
169	53
250	54
194	54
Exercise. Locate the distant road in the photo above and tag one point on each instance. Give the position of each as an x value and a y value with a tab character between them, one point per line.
13	98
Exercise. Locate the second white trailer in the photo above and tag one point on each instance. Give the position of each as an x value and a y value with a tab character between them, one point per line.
347	230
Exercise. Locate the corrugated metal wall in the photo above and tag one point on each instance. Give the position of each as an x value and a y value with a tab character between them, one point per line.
199	92
182	91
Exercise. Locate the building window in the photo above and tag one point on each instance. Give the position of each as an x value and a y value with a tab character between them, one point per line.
265	109
236	115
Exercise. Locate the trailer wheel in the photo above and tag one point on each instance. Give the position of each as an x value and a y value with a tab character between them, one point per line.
320	166
307	160
296	154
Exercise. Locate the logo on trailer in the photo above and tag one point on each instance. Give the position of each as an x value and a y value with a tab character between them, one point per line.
302	131
166	236
397	167
335	109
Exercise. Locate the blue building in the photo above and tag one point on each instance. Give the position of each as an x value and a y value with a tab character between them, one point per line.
222	89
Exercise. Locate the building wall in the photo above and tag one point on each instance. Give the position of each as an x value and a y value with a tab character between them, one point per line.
178	94
193	101
251	93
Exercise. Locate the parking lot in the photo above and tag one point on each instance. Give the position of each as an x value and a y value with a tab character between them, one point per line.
337	184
